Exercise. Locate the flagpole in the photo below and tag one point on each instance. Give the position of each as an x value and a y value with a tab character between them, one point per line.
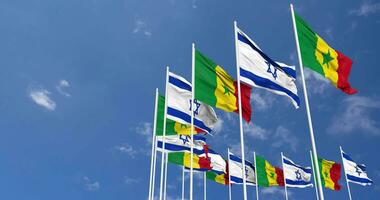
154	168
315	178
166	174
183	182
152	159
163	133
313	145
257	184
192	119
286	191
204	187
229	175
240	112
345	175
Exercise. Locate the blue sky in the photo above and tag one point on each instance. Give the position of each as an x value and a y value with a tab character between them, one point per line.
78	78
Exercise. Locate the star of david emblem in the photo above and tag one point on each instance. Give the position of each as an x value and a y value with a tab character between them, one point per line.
246	172
269	70
197	106
357	168
184	138
298	174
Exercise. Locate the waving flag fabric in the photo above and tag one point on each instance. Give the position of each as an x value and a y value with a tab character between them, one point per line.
176	143
258	70
356	173
330	174
218	164
267	175
183	159
179	105
172	127
296	175
236	171
321	58
215	87
219	178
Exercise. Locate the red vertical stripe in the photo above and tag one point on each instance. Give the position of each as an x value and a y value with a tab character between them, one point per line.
204	162
280	176
335	175
344	68
245	100
227	175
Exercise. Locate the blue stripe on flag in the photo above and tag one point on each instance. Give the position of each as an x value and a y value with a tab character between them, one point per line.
347	157
359	180
265	83
291	72
187	118
179	83
307	170
174	147
300	182
237	159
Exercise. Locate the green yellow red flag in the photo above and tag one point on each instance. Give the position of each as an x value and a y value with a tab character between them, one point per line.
330	173
268	175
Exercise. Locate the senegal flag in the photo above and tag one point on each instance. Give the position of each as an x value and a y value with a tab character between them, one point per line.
183	159
267	175
330	173
321	58
217	88
172	127
219	178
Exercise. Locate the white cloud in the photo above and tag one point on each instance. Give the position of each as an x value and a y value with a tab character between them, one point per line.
194	4
355	115
142	28
127	149
284	137
262	100
91	185
218	126
130	180
41	97
145	129
366	8
62	84
329	32
315	83
255	131
274	191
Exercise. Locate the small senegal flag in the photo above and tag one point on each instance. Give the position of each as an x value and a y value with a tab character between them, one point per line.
330	173
321	58
183	159
172	127
267	175
219	178
217	88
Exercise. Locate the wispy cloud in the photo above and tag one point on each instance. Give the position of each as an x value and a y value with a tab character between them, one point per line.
130	180
355	114
366	8
194	4
284	137
274	191
91	185
62	85
316	83
42	98
141	27
145	129
262	100
255	131
127	149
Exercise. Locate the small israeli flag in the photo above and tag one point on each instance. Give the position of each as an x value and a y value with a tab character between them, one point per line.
296	175
356	173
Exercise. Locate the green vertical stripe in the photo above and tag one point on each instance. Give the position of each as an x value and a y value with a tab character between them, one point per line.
320	171
308	45
176	158
262	178
160	119
205	79
211	175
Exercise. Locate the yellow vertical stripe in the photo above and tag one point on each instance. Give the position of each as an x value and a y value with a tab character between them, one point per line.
225	91
186	160
220	179
327	58
271	174
326	167
183	129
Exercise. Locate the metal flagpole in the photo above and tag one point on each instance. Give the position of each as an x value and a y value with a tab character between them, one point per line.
204	186
183	182
344	169
166	174
163	134
152	159
257	183
315	178
286	191
154	168
229	175
192	119
240	112
314	148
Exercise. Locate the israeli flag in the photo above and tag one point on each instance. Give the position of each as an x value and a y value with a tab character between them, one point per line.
236	171
181	143
356	173
296	175
179	105
258	70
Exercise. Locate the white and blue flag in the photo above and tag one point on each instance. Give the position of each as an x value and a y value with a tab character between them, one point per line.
179	105
236	170
258	70
356	173
296	175
181	143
